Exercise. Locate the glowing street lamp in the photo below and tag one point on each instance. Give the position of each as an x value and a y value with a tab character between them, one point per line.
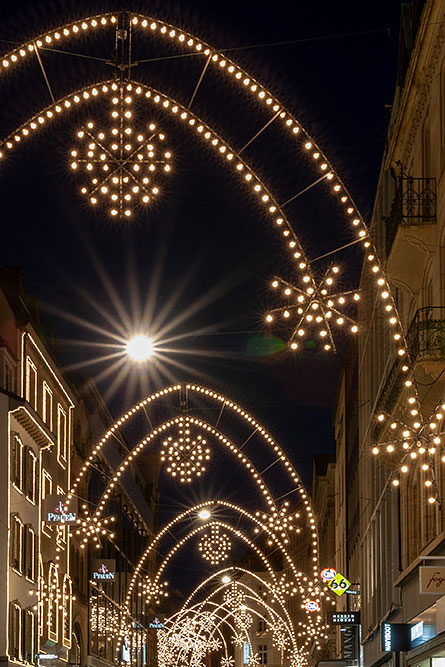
204	514
140	348
226	579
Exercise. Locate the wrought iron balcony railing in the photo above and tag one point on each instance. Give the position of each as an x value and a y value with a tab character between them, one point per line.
426	334
426	341
414	204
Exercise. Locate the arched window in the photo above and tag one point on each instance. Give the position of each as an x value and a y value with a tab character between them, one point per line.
67	604
53	602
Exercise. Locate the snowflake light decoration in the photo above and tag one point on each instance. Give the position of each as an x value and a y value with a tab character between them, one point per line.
420	442
153	591
227	661
314	309
214	546
121	161
91	529
280	522
254	660
238	640
233	596
243	620
185	454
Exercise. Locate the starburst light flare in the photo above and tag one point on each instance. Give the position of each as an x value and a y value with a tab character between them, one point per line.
314	308
122	162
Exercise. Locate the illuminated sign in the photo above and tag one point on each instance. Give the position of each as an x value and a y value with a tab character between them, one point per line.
312	605
125	653
246	653
55	510
46	656
328	573
104	570
339	584
416	631
344	617
432	580
156	624
395	637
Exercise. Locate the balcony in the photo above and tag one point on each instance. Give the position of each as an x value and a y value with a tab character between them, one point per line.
410	231
426	344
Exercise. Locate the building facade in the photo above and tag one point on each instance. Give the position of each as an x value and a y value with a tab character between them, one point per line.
36	410
390	498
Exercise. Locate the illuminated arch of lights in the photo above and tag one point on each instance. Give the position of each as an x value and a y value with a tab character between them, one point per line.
225	403
228	68
280	589
320	308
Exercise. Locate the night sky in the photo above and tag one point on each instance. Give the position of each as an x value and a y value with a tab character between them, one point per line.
206	251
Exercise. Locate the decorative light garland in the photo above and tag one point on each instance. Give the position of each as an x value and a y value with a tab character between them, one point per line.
185	454
214	546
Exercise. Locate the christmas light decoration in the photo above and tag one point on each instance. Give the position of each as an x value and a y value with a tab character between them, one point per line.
214	546
314	308
185	454
122	163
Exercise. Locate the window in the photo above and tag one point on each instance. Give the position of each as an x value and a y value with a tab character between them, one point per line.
16	544
47	407
31	482
31	383
47	486
17	461
30	553
9	377
47	489
15	630
61	434
262	653
29	636
261	625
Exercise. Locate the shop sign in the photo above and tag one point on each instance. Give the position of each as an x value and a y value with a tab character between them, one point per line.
246	653
432	580
328	573
395	637
339	584
125	652
344	617
312	605
104	570
46	656
56	510
156	623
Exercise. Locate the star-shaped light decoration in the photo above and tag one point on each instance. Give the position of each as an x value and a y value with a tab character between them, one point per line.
214	545
234	596
280	522
185	454
153	591
254	660
227	661
238	640
313	310
91	529
411	444
123	163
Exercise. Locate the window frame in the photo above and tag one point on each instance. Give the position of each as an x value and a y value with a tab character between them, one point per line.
62	456
16	544
47	397
30	366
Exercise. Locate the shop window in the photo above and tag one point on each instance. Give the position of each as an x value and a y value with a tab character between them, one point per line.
67	610
53	603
